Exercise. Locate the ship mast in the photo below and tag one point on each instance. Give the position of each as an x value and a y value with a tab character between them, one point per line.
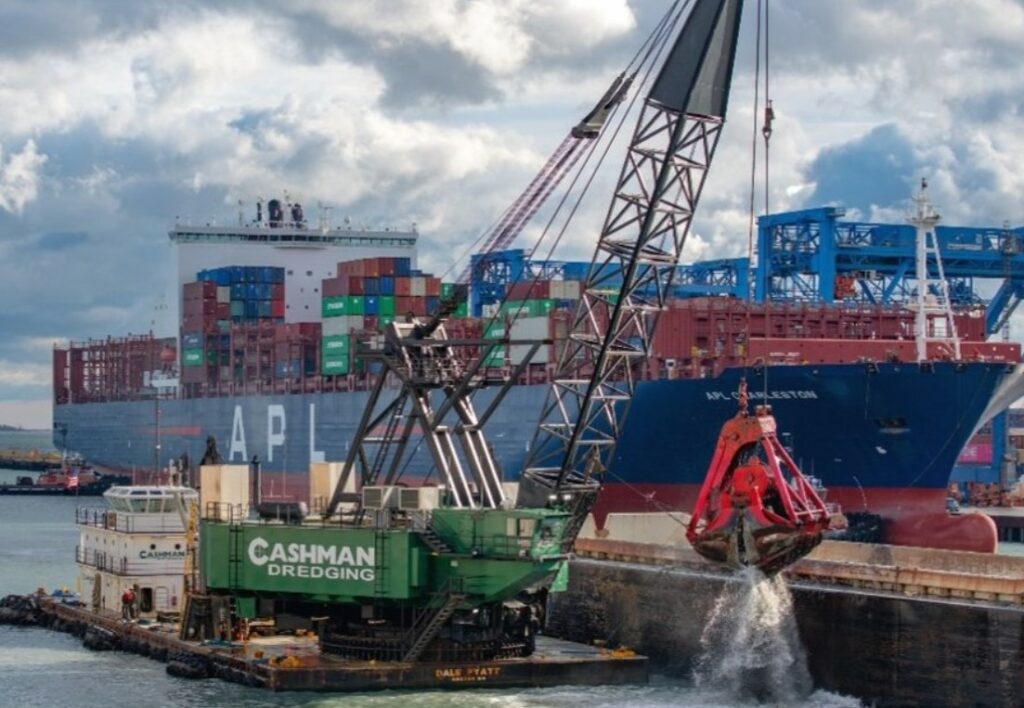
932	303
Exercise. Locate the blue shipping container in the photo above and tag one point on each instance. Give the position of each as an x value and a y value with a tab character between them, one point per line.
238	291
403	267
265	310
432	303
237	274
371	305
192	340
386	285
371	286
252	309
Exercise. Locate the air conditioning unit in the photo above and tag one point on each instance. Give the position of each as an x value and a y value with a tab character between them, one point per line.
384	497
419	498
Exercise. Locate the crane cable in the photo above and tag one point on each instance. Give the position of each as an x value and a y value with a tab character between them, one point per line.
654	47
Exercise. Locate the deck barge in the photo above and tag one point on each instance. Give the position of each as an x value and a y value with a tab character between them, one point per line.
555	662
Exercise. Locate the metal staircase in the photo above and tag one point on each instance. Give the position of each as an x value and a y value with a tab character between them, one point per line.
430	622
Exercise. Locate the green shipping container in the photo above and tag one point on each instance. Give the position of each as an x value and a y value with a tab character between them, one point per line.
192	357
495	330
462	311
384	320
334	366
336	346
528	308
386	306
446	289
334	306
238	308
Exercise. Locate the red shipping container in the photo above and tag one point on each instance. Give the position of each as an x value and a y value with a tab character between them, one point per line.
277	291
223	310
403	287
403	305
529	290
354	285
199	291
370	322
277	308
371	267
419	306
433	286
200	307
199	323
385	266
309	329
333	287
352	268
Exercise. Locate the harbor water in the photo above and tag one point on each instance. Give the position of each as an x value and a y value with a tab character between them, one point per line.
46	669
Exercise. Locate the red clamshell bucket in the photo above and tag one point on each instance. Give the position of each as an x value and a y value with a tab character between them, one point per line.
755	507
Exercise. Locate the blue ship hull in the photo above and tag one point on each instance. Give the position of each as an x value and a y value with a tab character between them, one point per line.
881	437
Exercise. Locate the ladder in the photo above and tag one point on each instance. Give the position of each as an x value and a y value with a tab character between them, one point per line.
380	580
234	556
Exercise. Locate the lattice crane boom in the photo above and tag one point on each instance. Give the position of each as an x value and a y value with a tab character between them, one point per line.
650	215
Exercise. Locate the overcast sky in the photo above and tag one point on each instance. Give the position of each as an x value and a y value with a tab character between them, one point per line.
116	117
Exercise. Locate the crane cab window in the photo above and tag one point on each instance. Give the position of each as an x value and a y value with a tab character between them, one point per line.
523	528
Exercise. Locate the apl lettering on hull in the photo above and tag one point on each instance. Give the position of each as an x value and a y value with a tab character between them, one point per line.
277	427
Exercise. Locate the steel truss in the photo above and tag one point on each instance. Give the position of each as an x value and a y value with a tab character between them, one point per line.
628	286
438	379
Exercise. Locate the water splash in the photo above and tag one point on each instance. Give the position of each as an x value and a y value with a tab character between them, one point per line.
750	647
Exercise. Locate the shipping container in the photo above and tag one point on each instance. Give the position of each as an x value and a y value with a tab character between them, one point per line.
334	366
386	285
334	326
192	357
402	287
564	290
371	285
335	346
386	306
386	267
418	286
371	304
528	290
199	290
403	266
433	286
224	293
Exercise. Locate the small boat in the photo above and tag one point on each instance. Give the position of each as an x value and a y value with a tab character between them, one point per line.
72	478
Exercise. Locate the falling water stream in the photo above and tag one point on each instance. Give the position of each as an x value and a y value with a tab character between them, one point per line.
750	646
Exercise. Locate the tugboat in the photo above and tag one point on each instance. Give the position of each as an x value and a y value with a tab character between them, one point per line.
73	478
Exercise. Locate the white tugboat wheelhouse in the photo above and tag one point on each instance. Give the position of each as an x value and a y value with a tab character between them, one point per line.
138	541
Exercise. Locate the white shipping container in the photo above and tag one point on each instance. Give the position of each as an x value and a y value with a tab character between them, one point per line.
224	293
490	310
334	326
565	290
529	328
418	286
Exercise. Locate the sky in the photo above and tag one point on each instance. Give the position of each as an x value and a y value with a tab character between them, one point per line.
116	118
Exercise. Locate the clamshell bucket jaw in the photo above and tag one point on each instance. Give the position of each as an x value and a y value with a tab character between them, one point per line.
755	507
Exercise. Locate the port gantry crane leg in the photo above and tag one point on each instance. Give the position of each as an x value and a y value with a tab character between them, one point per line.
634	264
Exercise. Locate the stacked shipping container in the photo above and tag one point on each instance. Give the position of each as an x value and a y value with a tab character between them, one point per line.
366	296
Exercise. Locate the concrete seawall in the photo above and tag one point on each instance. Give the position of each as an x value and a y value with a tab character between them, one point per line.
879	646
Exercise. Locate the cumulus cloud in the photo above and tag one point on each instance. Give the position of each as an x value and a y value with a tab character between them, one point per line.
19	177
116	118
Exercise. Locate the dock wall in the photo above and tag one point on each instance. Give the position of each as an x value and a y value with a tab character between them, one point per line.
881	647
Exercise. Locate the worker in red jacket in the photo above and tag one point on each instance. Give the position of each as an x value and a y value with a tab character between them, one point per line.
128	604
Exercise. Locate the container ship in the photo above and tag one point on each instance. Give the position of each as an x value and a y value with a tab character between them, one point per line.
272	312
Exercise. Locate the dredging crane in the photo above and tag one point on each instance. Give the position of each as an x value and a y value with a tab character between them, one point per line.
460	570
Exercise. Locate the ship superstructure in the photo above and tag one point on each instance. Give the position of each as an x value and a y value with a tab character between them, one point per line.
137	542
307	251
